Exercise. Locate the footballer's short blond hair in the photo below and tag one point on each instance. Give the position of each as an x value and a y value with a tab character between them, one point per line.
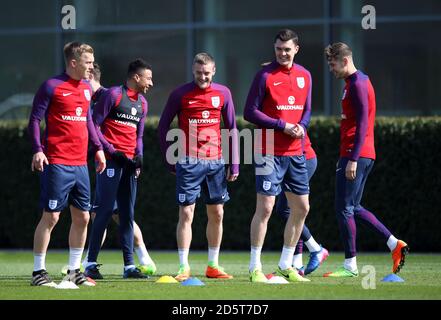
74	50
203	58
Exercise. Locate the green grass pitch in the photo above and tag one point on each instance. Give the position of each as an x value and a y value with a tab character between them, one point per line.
422	275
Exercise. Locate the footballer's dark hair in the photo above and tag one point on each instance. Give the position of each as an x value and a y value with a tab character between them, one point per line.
337	51
136	66
286	35
96	72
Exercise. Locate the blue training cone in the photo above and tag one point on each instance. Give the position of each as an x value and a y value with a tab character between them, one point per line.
392	278
193	282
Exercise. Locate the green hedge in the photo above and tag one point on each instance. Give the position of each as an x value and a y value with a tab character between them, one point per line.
403	191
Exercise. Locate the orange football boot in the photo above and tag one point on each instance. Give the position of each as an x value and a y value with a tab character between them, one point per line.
217	273
399	255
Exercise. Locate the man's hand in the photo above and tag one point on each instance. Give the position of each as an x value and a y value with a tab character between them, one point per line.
120	158
294	130
289	129
38	161
231	177
138	161
299	131
351	170
135	165
100	159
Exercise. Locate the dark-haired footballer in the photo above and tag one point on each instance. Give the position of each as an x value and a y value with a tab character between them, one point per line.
119	118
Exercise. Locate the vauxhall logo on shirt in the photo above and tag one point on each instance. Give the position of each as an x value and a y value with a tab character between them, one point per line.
127	112
205	115
290	105
128	116
77	117
133	116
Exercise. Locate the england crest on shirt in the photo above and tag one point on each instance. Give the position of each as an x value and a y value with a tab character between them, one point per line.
87	94
181	197
301	82
215	101
52	204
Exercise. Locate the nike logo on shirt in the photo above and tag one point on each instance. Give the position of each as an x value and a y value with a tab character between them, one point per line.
67	94
277	83
191	102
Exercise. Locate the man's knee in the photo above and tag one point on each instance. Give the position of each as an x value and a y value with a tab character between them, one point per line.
299	205
300	211
50	219
303	211
216	214
267	208
186	214
81	219
264	207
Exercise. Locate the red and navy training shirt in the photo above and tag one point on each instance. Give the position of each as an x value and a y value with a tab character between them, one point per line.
64	104
279	95
199	116
357	118
119	116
